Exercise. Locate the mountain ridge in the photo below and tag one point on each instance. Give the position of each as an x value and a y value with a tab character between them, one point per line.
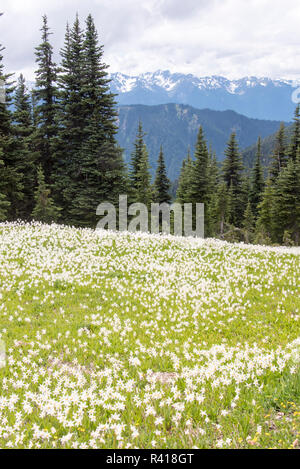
262	98
175	126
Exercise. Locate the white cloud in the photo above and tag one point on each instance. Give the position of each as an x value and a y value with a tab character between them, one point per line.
225	37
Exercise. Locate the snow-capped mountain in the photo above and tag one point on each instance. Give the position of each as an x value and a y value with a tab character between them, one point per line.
254	97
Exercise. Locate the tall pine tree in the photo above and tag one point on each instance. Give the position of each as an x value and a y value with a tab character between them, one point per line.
45	95
161	183
11	187
257	182
24	129
233	177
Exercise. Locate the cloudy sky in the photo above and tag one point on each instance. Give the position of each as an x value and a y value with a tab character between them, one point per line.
233	38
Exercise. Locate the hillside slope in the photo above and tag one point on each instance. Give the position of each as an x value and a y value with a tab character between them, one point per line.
175	127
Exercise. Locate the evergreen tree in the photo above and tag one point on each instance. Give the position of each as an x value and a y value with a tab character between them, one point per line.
23	129
90	167
144	193
295	141
213	182
45	98
257	182
10	180
266	213
199	183
248	223
161	184
287	200
278	157
44	209
4	203
219	210
136	156
101	170
199	180
182	193
68	143
233	177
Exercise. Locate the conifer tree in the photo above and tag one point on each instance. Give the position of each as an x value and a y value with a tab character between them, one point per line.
287	200
45	98
137	155
248	222
71	119
199	180
219	210
90	164
161	183
4	203
23	129
257	182
295	140
233	177
11	186
279	155
182	193
44	209
144	193
199	183
100	167
266	212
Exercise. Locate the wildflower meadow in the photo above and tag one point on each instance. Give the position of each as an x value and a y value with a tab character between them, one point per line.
118	340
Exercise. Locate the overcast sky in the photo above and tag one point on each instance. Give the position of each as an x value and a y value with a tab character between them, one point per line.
233	38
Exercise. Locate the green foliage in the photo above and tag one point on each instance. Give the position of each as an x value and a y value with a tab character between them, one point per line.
45	94
144	192
26	156
233	176
182	194
161	183
44	209
248	223
257	182
278	157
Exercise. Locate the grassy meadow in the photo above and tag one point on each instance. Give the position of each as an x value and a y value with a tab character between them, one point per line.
115	340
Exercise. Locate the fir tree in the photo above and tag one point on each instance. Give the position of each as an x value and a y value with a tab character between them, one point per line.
68	143
23	129
295	141
266	214
182	193
233	177
11	186
90	167
4	203
257	182
136	156
44	209
198	191
278	157
248	222
161	184
199	180
219	209
287	200
45	97
100	167
144	192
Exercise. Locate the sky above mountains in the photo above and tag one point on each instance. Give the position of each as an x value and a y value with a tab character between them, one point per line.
232	38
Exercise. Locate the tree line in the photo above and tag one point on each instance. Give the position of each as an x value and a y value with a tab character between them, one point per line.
59	156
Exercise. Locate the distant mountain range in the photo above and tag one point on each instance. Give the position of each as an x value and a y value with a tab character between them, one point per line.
175	126
261	98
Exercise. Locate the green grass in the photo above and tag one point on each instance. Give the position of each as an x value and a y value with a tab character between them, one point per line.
137	341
